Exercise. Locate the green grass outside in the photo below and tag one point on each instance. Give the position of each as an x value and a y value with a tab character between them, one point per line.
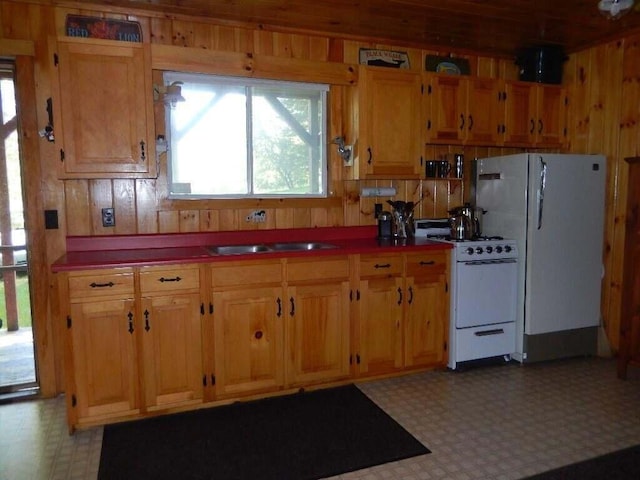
24	306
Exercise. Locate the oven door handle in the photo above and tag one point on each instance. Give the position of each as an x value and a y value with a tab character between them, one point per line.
491	262
486	333
543	184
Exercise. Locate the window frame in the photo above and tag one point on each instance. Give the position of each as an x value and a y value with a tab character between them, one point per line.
324	90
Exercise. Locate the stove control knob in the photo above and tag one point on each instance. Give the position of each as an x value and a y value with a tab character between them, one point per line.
499	249
479	250
489	249
470	251
507	248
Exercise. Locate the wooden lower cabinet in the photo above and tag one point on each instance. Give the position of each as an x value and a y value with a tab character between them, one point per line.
426	309
244	337
171	350
248	332
171	337
379	314
317	328
100	346
166	338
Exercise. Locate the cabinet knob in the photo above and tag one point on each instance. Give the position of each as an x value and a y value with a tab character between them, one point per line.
258	335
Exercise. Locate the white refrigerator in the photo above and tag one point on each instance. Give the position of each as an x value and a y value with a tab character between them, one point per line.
553	206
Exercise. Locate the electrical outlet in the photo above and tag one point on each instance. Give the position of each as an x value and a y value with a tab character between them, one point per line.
108	217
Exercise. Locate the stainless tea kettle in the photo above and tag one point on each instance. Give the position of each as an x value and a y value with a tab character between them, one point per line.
461	227
473	215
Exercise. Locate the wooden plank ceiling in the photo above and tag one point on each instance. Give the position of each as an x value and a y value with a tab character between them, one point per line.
496	27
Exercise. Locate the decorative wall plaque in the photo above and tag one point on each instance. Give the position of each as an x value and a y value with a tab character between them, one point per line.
105	28
384	58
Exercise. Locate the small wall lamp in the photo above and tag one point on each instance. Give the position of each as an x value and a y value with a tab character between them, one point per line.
170	95
345	151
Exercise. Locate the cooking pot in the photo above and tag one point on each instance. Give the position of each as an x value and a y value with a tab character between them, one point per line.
542	64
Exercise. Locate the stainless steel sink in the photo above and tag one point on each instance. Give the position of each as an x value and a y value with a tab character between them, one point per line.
296	246
238	249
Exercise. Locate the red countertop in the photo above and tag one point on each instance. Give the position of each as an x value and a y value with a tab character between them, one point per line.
88	252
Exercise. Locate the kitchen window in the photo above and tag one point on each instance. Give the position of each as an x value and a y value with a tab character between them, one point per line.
236	138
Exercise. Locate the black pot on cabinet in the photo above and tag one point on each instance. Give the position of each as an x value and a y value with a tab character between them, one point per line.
542	64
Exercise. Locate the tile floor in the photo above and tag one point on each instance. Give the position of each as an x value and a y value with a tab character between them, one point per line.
492	422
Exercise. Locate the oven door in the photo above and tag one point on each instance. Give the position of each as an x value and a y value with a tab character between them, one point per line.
485	292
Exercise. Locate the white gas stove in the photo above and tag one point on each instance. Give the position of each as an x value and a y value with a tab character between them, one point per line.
483	297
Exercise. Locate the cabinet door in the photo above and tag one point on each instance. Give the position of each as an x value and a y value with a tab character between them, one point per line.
172	350
520	115
483	111
317	333
426	321
551	107
447	109
104	109
427	309
390	117
248	338
380	325
102	335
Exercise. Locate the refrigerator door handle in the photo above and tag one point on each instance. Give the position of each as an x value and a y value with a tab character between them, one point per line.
543	181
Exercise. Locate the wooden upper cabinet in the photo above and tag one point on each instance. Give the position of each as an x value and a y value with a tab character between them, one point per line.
535	115
390	119
460	109
103	109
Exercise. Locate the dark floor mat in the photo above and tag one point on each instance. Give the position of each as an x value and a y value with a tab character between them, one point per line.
303	436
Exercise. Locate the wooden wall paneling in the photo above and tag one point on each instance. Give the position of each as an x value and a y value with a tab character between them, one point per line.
15	20
429	199
577	73
189	221
282	45
146	206
204	36
263	43
228	220
77	211
442	202
182	33
607	102
351	203
318	217
39	277
284	217
124	204
161	31
168	221
101	196
301	218
209	221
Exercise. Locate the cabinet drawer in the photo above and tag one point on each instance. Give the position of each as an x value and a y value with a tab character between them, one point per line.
380	265
168	280
229	274
100	284
331	267
427	263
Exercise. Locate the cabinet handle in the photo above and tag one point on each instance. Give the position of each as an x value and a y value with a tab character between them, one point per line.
399	296
533	127
470	122
293	307
382	265
430	262
504	128
279	302
370	155
461	121
146	321
540	125
410	301
174	279
101	285
130	316
143	155
428	124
